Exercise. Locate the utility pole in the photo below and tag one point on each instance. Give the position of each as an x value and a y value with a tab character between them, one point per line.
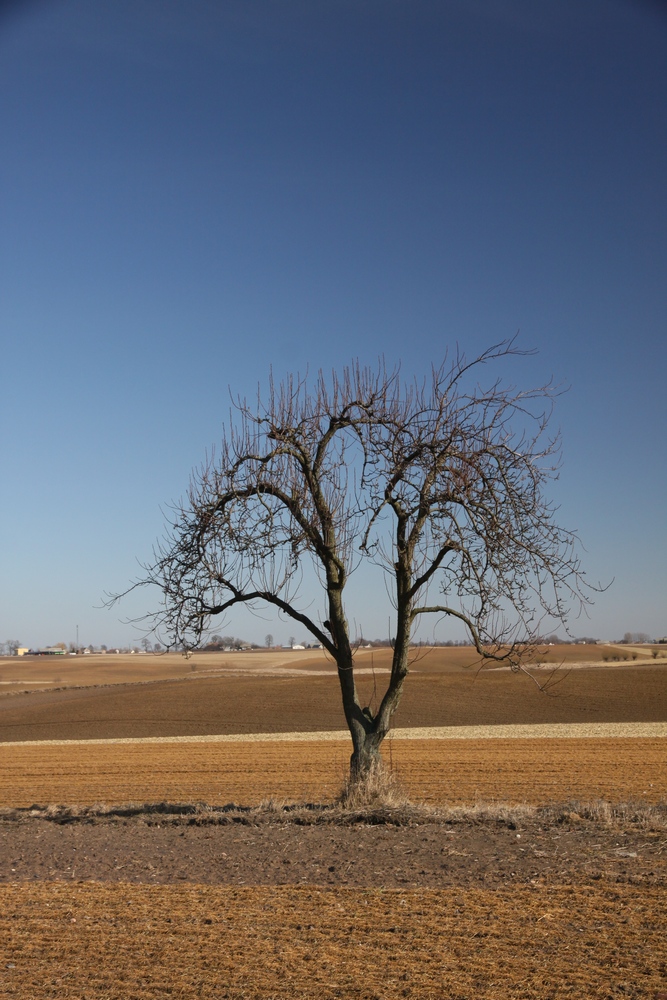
77	638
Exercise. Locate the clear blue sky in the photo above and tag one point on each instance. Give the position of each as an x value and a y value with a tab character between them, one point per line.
194	191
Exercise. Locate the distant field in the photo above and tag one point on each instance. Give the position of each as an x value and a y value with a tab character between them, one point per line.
236	702
121	668
249	693
112	668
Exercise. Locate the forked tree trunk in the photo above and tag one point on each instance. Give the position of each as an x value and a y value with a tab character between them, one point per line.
368	730
365	738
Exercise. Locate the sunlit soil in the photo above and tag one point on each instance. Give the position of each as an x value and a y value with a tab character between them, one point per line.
236	704
433	771
140	942
599	934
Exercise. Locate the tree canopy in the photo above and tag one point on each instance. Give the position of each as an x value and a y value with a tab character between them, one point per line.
441	482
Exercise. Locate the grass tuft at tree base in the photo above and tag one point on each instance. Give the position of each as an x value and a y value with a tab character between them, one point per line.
377	788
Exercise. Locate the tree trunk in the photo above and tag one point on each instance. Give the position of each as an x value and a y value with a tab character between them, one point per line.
367	730
366	754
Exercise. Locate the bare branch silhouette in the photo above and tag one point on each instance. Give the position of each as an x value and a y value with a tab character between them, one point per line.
442	483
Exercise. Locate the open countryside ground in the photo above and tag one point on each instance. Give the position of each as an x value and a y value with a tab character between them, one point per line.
555	899
595	940
436	771
250	693
117	668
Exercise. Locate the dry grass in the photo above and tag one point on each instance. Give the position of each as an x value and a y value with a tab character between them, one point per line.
385	806
139	942
378	788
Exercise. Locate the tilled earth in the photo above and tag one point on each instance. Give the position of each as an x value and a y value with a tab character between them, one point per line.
155	849
150	906
262	704
433	771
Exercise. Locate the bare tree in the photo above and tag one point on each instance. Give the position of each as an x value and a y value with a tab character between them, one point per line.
639	637
268	640
441	483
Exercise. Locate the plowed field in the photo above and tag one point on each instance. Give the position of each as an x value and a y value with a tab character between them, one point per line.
574	909
141	942
435	771
237	703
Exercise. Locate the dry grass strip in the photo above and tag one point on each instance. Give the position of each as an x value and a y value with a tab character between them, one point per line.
624	817
139	942
438	772
569	730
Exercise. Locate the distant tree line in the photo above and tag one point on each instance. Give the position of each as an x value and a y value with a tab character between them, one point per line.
219	642
389	643
630	637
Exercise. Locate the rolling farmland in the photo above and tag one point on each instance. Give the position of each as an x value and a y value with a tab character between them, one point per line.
551	904
249	693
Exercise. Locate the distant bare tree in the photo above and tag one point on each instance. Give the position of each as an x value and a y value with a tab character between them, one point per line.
268	640
441	483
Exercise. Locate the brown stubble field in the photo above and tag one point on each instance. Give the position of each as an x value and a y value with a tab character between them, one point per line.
250	693
438	772
565	903
140	942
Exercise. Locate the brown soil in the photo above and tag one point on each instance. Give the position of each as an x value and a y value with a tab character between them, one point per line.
526	904
112	668
425	912
250	704
381	848
436	771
